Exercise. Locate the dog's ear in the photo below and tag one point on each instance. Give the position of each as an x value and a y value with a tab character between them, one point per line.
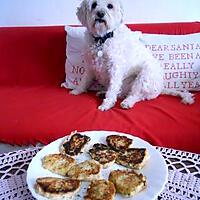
82	12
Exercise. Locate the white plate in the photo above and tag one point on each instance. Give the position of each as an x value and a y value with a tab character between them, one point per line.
155	169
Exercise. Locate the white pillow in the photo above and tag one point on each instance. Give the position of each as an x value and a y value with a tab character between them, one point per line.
75	66
180	59
179	56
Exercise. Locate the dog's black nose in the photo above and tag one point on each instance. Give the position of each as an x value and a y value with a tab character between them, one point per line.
100	14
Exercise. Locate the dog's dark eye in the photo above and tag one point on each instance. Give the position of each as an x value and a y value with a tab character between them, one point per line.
110	6
94	5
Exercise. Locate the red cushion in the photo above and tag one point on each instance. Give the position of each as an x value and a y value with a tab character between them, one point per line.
42	114
34	108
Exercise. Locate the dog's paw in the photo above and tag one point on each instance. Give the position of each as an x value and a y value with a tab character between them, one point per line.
126	104
75	92
106	105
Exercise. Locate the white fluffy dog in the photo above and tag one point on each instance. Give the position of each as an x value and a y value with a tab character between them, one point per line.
117	59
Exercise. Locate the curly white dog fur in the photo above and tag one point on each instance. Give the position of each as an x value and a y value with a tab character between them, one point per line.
117	59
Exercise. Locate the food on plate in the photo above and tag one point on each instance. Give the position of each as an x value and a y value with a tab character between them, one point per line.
75	144
127	182
58	163
103	154
86	171
118	142
100	189
57	188
134	158
117	150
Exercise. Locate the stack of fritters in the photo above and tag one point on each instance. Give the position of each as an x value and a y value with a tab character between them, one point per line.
117	150
126	182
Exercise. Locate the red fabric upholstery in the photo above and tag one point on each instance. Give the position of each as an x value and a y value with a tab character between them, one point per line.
167	28
34	108
32	55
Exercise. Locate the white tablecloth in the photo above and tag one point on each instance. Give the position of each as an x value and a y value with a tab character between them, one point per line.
183	181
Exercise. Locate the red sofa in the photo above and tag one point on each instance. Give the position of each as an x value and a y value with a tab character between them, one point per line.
34	108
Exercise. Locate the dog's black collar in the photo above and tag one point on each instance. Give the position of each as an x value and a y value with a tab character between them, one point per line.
101	40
